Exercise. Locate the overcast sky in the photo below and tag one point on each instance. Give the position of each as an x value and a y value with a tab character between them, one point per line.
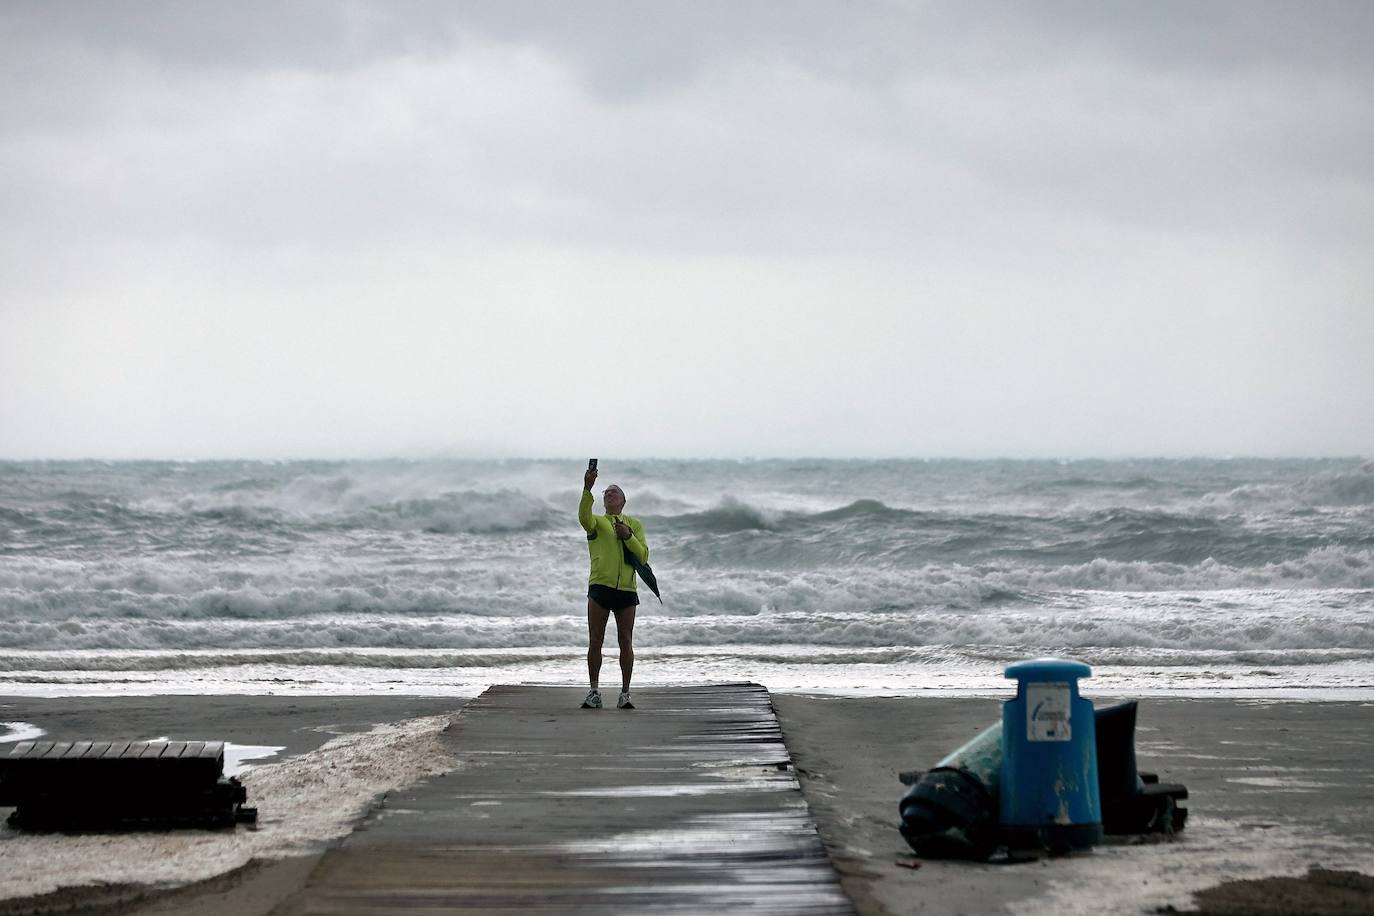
686	229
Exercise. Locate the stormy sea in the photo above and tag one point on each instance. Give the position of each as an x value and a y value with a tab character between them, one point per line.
1178	577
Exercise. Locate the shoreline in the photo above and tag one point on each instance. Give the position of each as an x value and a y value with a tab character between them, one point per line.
994	688
1276	787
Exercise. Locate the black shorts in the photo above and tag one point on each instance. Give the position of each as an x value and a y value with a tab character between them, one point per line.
612	599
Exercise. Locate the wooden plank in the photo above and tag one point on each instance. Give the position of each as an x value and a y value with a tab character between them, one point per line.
169	757
57	750
78	750
116	750
686	805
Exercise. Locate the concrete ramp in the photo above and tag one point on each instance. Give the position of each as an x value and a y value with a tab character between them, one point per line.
687	804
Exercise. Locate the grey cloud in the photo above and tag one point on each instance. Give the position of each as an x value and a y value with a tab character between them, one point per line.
1150	220
623	45
205	34
752	154
1327	36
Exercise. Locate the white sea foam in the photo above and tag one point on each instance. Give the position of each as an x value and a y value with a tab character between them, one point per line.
417	566
54	590
938	670
19	731
1139	621
1151	878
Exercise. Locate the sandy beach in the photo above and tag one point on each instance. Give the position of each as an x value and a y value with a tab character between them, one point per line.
1277	788
328	761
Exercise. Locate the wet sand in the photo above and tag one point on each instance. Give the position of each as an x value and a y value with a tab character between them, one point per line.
299	724
334	765
1276	789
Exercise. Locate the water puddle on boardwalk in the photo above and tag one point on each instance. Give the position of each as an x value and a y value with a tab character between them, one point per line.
765	861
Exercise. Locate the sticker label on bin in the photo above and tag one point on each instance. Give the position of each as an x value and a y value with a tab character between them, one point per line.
1047	712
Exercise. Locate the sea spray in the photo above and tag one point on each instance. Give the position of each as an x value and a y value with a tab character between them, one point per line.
282	571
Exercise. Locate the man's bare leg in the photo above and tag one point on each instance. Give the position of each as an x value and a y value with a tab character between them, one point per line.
624	632
596	635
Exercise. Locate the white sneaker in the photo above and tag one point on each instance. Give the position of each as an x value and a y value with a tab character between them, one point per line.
624	701
593	700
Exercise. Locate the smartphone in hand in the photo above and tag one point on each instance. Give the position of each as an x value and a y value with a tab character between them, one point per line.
591	464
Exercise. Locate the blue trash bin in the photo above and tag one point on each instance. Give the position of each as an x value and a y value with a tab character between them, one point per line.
1049	794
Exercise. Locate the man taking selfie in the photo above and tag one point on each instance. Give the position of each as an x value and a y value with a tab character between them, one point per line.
611	586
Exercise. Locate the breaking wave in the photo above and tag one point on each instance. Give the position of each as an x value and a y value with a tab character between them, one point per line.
785	653
1233	623
45	590
482	564
1347	488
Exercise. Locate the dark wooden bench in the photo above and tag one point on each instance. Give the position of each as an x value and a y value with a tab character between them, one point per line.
79	784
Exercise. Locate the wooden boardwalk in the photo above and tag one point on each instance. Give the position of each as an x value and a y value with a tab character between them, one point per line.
687	804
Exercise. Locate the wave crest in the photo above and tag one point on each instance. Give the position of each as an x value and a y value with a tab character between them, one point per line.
1340	488
1119	630
729	516
57	600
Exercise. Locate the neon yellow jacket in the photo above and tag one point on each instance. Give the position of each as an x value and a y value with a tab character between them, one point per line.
608	560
